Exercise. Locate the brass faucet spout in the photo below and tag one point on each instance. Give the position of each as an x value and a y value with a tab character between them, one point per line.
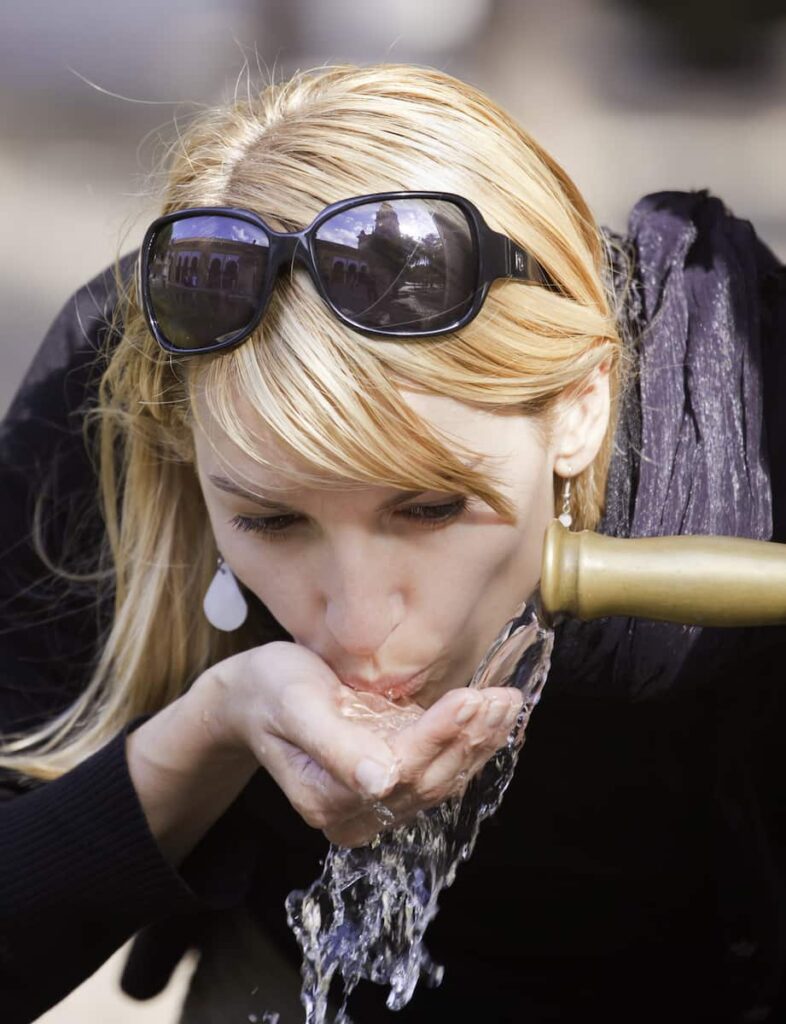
708	581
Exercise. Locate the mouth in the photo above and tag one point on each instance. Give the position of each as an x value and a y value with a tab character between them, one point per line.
392	687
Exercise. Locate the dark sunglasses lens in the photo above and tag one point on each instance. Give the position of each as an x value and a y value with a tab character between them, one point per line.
401	265
204	278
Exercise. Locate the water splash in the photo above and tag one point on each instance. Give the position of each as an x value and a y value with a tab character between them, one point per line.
366	916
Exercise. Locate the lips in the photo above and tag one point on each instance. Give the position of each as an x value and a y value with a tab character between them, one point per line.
392	687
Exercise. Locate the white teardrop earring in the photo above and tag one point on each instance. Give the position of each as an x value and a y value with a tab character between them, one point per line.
565	517
224	605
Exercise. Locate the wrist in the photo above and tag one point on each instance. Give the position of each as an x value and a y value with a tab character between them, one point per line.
213	706
186	769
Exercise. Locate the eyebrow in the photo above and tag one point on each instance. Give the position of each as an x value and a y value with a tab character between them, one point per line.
225	484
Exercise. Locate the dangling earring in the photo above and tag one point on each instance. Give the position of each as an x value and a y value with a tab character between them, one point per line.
224	605
565	517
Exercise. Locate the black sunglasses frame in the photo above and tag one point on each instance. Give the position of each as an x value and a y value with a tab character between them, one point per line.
497	256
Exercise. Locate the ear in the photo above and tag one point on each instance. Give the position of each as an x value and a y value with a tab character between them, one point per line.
580	423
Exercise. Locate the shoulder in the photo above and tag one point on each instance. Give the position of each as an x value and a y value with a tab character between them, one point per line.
50	620
59	374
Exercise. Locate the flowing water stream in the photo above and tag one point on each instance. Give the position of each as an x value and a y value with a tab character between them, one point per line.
365	917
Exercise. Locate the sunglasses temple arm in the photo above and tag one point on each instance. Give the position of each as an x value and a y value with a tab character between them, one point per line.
510	260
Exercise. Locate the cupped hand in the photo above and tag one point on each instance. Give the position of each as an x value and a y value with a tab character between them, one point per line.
436	756
336	753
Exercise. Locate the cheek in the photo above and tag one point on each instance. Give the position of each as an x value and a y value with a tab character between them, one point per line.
278	576
498	555
273	574
260	565
232	544
467	594
498	570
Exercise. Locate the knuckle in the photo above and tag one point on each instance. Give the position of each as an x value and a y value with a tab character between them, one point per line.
457	787
308	775
460	784
320	818
293	696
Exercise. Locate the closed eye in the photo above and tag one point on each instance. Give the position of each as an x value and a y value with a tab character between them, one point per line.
423	515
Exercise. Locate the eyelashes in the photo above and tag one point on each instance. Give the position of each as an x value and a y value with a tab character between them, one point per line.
422	515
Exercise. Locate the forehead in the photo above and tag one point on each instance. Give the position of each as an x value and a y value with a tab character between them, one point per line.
485	435
251	453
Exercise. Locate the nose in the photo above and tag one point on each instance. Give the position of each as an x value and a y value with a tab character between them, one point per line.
363	605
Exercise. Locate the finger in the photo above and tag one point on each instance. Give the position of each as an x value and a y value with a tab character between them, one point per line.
309	716
433	777
321	800
479	736
360	831
449	773
458	712
444	722
418	744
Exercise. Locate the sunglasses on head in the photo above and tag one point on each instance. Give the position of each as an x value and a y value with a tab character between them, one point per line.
392	264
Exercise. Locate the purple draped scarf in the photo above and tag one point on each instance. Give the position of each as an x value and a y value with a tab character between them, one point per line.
691	453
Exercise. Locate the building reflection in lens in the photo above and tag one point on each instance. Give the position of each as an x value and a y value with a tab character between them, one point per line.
205	276
398	263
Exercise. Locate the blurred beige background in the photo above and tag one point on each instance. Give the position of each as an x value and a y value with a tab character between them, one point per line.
630	96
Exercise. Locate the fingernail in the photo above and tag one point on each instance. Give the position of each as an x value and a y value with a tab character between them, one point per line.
469	708
374	778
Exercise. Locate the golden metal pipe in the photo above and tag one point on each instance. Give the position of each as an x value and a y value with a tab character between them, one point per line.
707	581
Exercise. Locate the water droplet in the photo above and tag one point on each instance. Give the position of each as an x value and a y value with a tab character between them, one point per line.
384	814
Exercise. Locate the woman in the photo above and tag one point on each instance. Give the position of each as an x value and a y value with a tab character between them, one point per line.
371	445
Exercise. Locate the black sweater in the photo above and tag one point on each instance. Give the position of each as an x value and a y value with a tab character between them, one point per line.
610	882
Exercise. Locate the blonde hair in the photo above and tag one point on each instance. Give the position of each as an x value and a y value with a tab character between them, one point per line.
329	395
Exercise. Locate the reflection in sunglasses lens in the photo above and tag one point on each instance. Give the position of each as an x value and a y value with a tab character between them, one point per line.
204	278
399	264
